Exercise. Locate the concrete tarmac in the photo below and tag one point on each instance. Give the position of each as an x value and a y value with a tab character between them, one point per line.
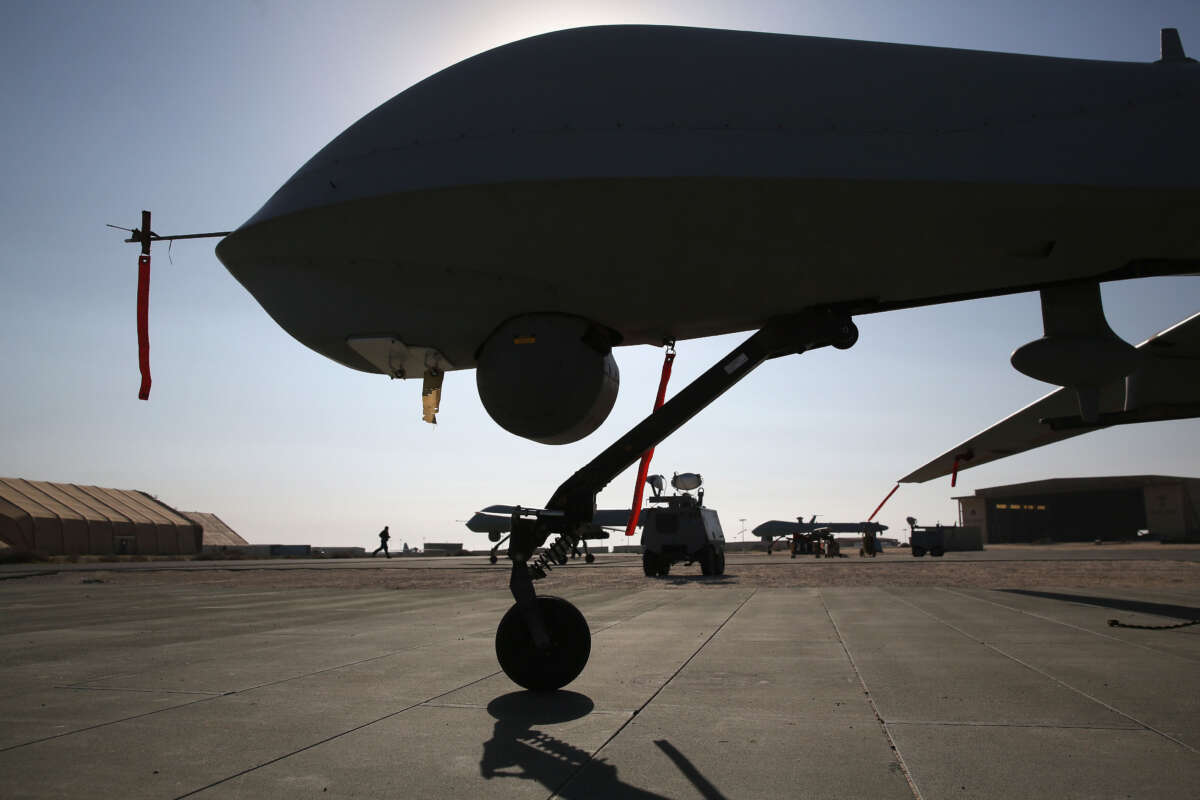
695	690
780	558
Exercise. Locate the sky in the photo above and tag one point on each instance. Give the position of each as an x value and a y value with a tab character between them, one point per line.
199	111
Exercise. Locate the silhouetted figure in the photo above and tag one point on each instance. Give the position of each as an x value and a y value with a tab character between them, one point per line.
383	540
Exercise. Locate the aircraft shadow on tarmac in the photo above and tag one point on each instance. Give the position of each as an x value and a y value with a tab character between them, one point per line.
707	580
518	750
1135	606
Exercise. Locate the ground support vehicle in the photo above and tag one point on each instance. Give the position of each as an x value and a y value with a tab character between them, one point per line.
937	540
817	544
683	531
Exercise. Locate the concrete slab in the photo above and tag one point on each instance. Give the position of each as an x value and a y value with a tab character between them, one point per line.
695	689
705	752
36	715
439	751
1161	693
1035	762
919	669
1093	617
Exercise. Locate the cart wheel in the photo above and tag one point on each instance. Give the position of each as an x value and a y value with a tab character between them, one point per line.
492	558
589	558
557	665
937	552
918	551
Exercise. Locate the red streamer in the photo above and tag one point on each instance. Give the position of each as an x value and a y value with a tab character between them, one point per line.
962	457
644	467
143	324
889	497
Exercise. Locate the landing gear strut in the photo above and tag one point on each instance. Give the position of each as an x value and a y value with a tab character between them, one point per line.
543	643
495	537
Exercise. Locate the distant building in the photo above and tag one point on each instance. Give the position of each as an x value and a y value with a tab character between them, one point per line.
214	530
69	519
1085	509
444	548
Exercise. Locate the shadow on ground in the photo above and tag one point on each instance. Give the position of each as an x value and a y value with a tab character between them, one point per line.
519	750
707	580
1135	606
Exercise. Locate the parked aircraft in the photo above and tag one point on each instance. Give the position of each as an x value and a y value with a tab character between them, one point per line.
773	530
497	522
526	210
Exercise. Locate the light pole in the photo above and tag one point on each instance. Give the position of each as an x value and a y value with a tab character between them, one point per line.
743	533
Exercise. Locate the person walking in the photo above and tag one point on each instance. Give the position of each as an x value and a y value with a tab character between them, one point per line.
383	540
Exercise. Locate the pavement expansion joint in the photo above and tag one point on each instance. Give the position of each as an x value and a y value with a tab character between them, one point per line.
106	724
1099	633
335	736
971	724
883	726
631	617
595	755
1045	674
207	696
429	702
144	691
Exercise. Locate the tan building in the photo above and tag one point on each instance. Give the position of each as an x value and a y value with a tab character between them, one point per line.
215	532
69	519
1085	509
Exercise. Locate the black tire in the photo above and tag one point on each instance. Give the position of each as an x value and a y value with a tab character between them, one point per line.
664	568
707	559
650	564
918	551
492	558
720	562
937	552
559	664
589	558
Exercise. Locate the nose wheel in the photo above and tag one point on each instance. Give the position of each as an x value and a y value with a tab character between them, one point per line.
543	643
544	669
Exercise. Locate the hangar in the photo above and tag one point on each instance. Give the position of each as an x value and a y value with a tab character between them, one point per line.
215	533
69	519
1085	509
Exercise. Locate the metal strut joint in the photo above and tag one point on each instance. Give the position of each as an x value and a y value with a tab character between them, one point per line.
572	506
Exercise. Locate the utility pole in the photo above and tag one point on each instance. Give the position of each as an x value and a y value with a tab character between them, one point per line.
743	533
